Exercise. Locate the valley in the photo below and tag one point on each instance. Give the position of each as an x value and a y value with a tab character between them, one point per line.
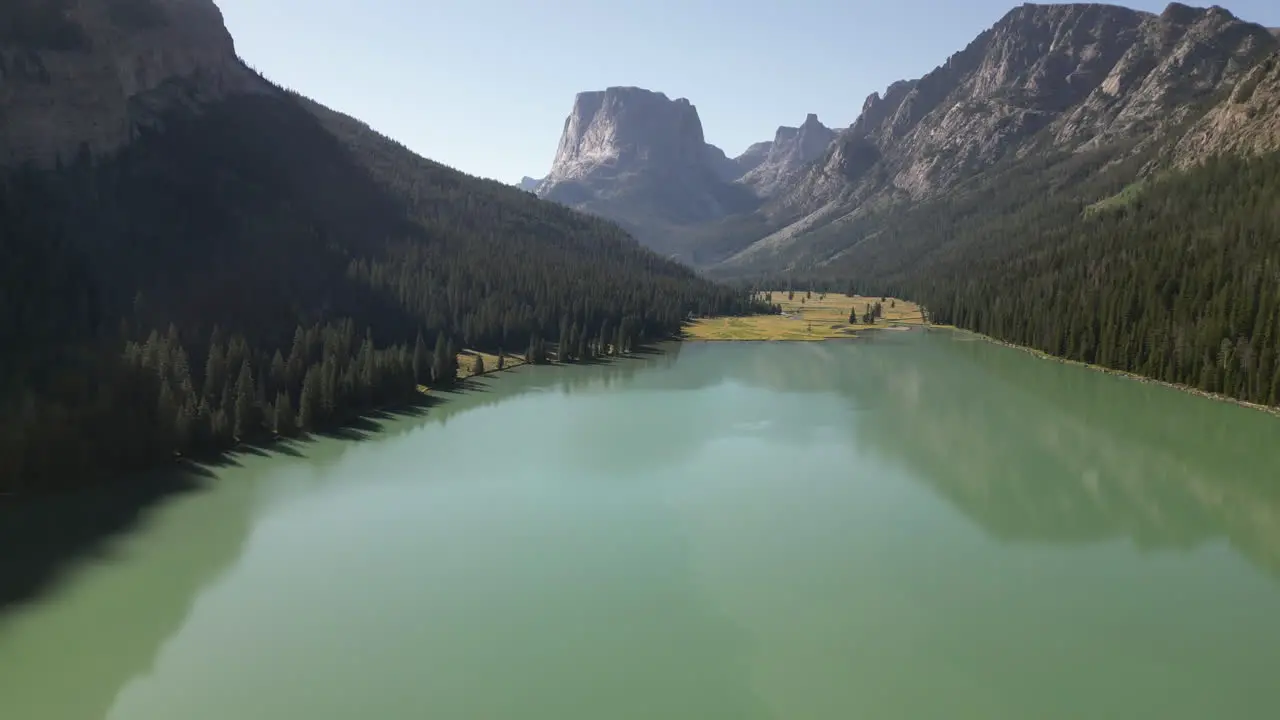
299	422
983	190
810	316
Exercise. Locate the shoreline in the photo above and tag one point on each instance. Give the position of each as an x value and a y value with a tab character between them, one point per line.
900	326
892	327
807	316
423	400
1219	397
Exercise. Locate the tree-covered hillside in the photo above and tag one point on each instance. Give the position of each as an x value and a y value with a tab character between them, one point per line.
1175	277
1178	280
264	266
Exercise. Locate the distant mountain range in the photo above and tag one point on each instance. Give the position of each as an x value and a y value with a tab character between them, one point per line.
1184	84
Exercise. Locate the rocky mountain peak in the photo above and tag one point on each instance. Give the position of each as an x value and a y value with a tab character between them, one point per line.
1178	13
86	74
1067	76
621	128
638	157
792	149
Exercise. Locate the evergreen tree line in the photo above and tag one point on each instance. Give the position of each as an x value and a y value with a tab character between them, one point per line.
1181	284
266	268
1176	278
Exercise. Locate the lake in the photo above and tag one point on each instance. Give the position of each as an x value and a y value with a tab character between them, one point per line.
907	525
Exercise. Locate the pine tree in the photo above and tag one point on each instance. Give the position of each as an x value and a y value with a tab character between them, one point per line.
215	369
367	370
284	418
451	359
167	411
604	337
245	421
309	401
440	365
279	373
421	362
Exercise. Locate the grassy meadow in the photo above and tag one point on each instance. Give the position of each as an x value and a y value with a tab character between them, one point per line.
807	316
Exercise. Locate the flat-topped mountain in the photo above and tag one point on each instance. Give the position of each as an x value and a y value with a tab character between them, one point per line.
640	158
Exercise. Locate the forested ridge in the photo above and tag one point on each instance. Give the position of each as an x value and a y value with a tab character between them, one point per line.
264	267
1181	283
1175	277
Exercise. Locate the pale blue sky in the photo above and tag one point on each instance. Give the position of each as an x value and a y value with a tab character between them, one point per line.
485	85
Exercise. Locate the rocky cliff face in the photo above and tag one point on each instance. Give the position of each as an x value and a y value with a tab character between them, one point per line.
640	158
727	168
1045	77
529	184
752	157
1247	121
81	75
790	151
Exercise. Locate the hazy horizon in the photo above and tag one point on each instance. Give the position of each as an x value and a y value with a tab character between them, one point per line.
486	88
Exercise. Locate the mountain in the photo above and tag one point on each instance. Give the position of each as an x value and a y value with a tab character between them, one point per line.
753	156
726	168
92	74
1247	121
1141	241
791	150
1044	79
639	158
529	184
192	257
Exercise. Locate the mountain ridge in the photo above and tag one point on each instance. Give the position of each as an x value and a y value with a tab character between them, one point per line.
1107	77
232	262
88	76
1042	79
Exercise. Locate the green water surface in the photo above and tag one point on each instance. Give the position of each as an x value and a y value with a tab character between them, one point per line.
909	525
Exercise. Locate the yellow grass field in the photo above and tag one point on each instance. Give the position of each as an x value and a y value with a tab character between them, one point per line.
467	363
807	317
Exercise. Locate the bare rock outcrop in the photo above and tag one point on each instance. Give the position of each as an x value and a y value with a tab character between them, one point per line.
84	75
1045	78
640	158
1247	122
790	151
